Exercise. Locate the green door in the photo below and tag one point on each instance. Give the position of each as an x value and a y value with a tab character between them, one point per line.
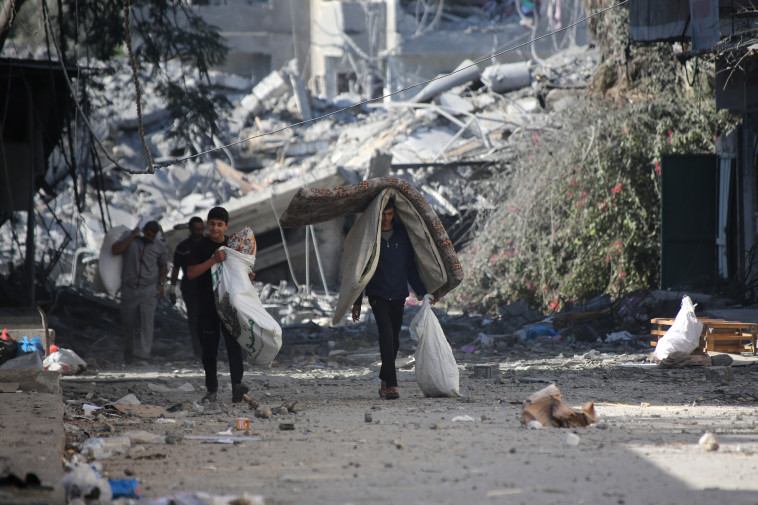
689	216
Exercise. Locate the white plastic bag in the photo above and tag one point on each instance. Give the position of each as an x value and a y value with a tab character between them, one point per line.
108	265
436	369
684	334
65	361
241	310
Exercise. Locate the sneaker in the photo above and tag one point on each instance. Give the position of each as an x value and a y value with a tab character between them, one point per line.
209	397
238	393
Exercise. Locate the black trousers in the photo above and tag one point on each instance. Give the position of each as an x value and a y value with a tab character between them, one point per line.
209	330
389	319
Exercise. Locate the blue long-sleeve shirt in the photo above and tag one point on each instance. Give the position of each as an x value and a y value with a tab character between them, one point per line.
396	268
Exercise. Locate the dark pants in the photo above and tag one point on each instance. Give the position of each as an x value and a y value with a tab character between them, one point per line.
190	302
209	326
389	319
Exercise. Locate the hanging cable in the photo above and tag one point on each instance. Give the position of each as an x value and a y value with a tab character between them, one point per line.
133	61
284	241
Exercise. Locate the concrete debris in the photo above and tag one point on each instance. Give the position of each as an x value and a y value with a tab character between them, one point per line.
449	122
709	441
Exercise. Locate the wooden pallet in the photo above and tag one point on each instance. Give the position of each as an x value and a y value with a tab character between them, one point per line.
718	335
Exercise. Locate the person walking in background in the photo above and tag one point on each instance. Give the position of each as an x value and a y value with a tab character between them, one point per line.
188	286
142	277
203	255
387	291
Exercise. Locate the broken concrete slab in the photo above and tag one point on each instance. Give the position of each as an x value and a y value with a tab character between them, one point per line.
40	381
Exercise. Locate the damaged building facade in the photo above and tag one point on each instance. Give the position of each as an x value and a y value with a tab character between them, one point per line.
713	221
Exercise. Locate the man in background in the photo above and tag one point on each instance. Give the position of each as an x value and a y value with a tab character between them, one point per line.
142	277
188	286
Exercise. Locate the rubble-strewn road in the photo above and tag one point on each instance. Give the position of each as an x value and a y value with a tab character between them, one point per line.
438	450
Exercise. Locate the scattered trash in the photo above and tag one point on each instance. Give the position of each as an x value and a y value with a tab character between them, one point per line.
243	424
222	440
85	482
99	448
203	498
125	488
34	345
463	418
709	441
89	409
367	417
287	426
486	372
250	401
619	336
539	331
546	407
534	425
144	437
129	399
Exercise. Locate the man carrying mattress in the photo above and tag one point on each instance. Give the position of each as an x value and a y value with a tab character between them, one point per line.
387	291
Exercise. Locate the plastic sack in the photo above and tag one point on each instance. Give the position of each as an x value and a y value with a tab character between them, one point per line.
8	348
108	265
34	345
436	369
241	310
64	361
26	361
684	334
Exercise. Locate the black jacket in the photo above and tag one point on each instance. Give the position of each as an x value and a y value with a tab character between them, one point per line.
396	268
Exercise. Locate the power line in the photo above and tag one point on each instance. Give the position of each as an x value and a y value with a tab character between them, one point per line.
294	125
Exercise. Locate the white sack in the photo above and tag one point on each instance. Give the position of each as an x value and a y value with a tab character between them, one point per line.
436	369
684	334
65	361
241	310
108	265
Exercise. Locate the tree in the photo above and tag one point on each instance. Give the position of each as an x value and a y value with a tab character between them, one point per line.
150	33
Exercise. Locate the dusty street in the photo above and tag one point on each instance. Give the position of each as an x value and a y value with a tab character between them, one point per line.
346	445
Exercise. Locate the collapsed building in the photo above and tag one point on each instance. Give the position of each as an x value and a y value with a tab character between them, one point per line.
437	136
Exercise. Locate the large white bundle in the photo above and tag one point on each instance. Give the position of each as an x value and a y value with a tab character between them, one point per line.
108	265
241	310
